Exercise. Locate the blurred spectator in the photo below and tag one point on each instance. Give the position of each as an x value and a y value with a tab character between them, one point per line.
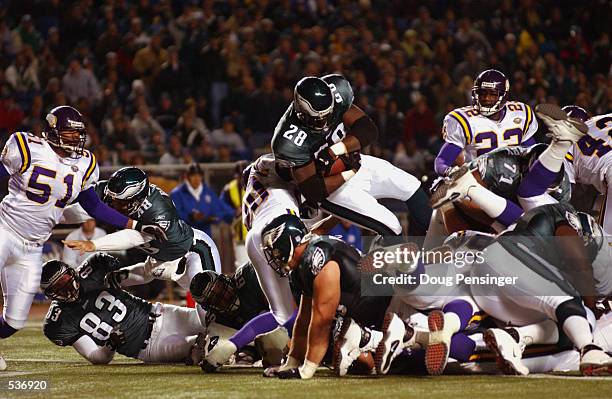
11	115
197	204
410	158
348	232
22	74
227	136
79	82
420	125
143	126
149	60
174	153
26	35
87	231
232	194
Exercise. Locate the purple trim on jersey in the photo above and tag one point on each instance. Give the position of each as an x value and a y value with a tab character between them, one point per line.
511	214
461	347
261	324
462	309
5	329
536	181
447	155
529	143
3	171
98	210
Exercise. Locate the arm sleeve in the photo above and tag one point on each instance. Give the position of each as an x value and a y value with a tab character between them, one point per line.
120	240
452	131
97	209
531	125
529	142
14	155
447	155
92	352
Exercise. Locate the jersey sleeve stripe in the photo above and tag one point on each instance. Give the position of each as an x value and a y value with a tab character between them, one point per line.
24	152
90	168
528	120
569	157
467	130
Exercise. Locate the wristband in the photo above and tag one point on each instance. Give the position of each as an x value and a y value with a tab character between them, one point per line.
134	223
347	174
308	369
338	149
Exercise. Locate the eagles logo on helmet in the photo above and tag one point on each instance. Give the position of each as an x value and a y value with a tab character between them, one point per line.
126	189
279	238
313	103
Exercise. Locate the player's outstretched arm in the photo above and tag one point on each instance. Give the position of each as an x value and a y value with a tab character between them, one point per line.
117	241
92	352
446	158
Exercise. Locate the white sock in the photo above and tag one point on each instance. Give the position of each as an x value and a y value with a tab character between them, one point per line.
478	339
488	201
545	332
452	322
578	330
552	157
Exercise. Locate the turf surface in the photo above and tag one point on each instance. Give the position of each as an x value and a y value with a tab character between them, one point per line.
32	357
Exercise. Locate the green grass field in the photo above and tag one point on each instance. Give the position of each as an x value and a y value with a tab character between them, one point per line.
31	356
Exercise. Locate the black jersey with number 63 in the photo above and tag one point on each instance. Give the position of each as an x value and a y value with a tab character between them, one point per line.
294	145
157	208
99	311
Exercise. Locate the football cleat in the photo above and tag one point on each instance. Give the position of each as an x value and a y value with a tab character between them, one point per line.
438	348
594	361
3	365
560	125
508	352
196	354
346	346
455	189
392	343
217	352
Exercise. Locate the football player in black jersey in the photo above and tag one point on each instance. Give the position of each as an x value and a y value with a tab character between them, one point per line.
562	263
232	301
317	144
128	190
325	270
99	320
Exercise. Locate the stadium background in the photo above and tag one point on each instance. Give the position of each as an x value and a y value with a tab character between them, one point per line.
166	83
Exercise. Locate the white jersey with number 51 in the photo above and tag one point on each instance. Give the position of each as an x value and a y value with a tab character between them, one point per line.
41	185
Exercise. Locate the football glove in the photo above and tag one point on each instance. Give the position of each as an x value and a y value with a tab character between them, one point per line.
113	279
218	352
352	160
116	339
326	159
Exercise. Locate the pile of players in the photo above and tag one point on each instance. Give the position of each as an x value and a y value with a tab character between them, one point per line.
500	194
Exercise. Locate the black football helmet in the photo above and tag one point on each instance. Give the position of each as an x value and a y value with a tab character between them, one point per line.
126	189
59	281
494	81
576	112
279	239
60	121
313	103
214	292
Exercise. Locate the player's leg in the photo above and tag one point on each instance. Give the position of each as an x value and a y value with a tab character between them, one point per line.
277	292
6	249
354	203
175	333
389	181
463	184
605	216
20	282
208	251
565	132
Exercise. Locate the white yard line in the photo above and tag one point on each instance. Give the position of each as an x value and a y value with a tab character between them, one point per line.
567	377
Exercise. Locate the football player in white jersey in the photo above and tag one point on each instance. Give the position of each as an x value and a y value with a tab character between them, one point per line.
45	176
590	162
490	122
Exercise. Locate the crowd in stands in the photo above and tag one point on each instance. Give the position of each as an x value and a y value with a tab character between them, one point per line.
176	81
